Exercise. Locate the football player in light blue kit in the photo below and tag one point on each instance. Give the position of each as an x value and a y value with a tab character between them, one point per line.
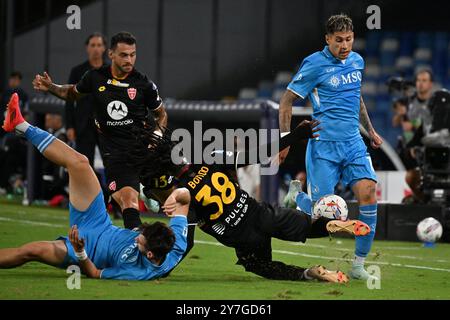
99	248
331	79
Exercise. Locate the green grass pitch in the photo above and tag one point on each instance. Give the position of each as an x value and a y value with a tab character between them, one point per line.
408	271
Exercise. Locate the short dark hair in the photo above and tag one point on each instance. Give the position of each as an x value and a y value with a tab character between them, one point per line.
122	37
16	74
339	23
96	35
424	70
159	238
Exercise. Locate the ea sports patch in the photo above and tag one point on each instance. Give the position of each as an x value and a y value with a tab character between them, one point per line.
112	186
131	93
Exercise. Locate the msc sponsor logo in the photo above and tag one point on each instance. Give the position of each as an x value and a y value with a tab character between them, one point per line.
351	77
344	79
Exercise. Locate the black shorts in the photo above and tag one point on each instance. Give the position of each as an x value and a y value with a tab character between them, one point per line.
119	170
254	236
253	239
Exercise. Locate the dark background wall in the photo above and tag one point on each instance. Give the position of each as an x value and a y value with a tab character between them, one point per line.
196	49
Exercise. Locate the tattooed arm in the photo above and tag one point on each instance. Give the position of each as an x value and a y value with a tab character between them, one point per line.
67	92
364	119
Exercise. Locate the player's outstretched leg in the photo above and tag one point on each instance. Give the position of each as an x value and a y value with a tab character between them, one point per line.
48	252
83	183
365	193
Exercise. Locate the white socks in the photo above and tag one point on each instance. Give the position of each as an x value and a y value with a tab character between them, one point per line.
359	260
305	274
22	127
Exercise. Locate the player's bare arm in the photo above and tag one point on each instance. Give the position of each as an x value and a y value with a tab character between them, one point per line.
86	265
177	202
285	112
364	119
160	115
285	115
44	83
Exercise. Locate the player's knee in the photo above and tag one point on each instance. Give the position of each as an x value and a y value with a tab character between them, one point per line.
128	199
368	193
78	161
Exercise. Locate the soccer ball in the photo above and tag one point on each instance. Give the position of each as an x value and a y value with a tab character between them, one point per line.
332	207
429	230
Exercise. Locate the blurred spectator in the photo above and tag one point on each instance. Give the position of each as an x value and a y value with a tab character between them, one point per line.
13	154
249	176
12	148
249	180
413	115
14	81
80	124
54	178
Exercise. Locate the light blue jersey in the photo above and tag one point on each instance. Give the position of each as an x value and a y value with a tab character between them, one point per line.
114	249
334	88
125	261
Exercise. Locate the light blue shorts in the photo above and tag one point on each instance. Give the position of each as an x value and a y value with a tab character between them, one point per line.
328	162
91	224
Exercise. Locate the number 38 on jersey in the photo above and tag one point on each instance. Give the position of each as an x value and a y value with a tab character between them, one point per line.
220	191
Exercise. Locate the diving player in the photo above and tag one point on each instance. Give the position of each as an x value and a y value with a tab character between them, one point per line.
99	248
235	219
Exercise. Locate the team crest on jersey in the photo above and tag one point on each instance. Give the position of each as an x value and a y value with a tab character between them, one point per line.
112	186
132	93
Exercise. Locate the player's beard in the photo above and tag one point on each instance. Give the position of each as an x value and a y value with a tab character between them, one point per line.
126	69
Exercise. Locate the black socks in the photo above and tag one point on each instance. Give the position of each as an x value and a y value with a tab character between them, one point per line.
131	218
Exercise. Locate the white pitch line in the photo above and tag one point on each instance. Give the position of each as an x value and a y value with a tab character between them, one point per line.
312	245
36	223
338	258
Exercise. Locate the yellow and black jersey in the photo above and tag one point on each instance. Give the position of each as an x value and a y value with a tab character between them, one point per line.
219	203
162	182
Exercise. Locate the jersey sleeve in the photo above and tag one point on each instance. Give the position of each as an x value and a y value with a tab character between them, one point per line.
151	96
118	273
85	84
305	79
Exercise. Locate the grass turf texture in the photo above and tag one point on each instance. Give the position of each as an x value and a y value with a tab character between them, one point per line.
408	271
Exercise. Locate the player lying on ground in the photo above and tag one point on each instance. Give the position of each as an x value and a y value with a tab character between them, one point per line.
230	215
99	248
